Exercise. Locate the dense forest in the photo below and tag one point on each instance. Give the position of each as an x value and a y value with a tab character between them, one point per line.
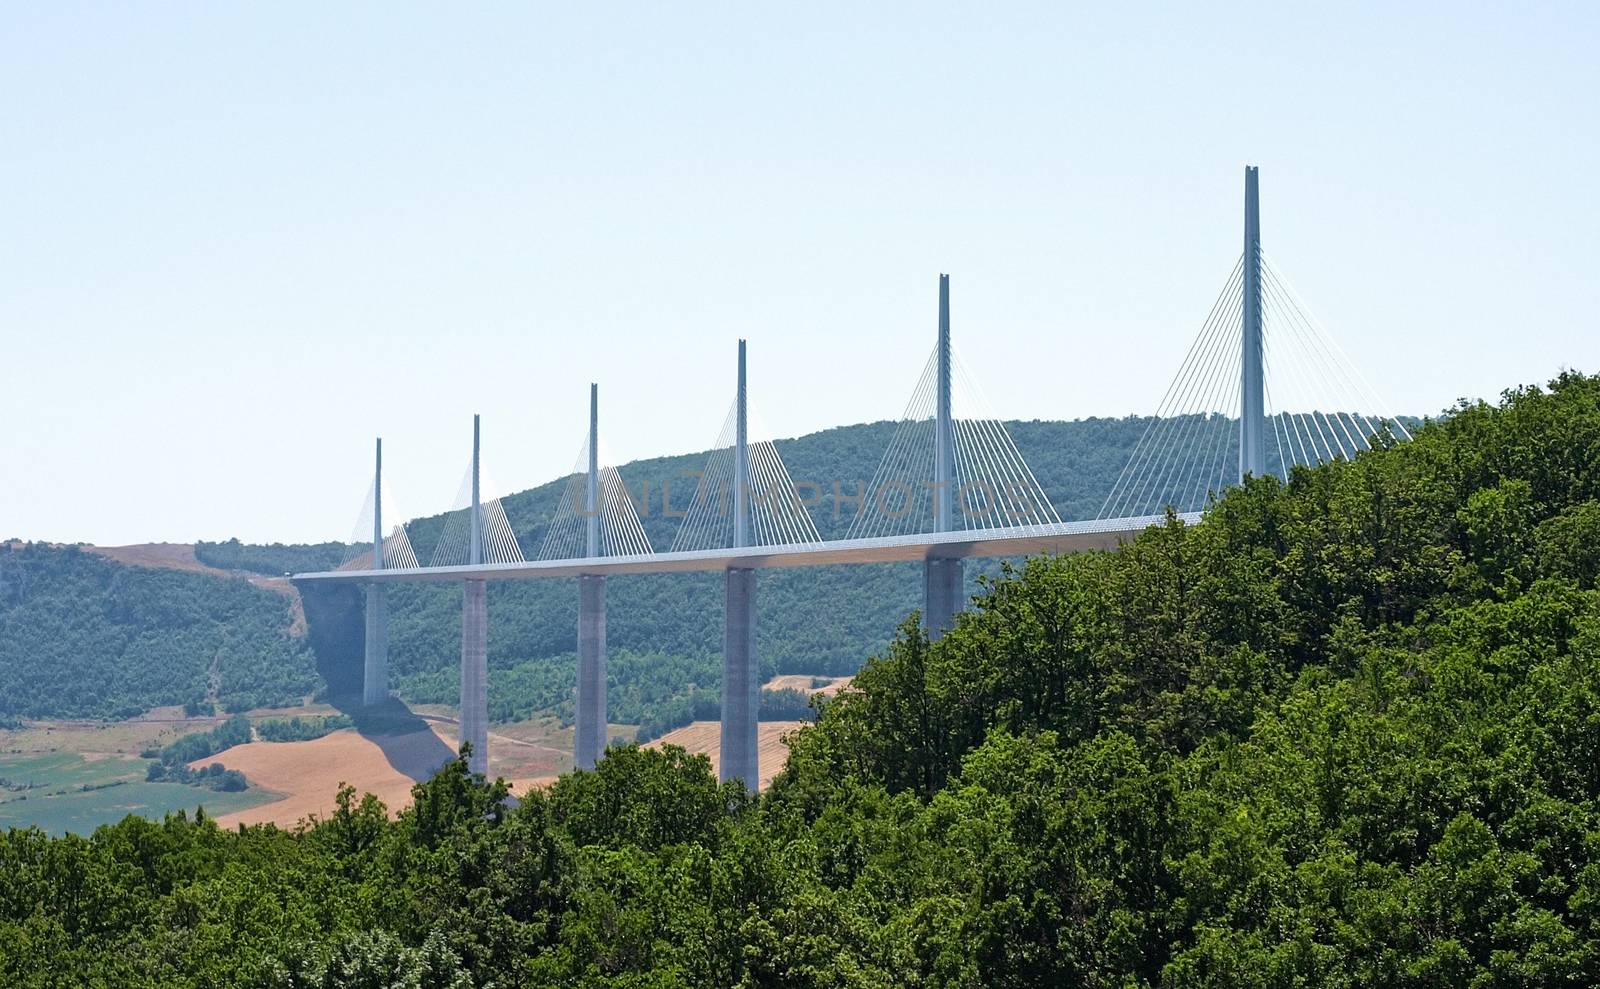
83	637
1342	732
271	559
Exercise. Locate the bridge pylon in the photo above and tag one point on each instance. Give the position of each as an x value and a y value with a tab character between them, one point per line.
1252	372
595	518
741	693
744	499
384	552
589	719
375	661
1263	387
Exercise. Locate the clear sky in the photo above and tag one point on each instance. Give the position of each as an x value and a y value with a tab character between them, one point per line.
239	241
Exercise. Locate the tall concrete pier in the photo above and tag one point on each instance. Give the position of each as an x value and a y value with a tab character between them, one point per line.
943	579
740	689
375	668
475	674
1252	375
740	759
589	742
475	635
943	587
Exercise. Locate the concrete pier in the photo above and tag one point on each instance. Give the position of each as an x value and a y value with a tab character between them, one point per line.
590	742
943	594
740	689
375	669
475	673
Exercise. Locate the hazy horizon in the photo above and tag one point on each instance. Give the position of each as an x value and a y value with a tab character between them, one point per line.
246	241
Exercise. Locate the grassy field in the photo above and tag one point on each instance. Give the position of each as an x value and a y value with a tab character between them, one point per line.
67	791
77	775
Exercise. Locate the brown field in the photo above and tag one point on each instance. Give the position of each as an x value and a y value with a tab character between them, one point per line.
98	739
527	754
161	556
706	736
521	750
802	683
309	774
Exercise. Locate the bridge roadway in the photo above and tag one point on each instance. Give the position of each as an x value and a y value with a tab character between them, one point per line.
943	593
1031	540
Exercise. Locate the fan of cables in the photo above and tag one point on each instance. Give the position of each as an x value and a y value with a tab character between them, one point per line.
994	487
397	551
1314	401
775	514
614	516
496	542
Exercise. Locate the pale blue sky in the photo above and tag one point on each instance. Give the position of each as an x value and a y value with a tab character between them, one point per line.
240	242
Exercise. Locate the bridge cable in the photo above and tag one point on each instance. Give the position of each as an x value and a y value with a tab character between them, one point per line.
1136	477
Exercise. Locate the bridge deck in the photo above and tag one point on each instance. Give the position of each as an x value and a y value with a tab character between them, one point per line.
1066	537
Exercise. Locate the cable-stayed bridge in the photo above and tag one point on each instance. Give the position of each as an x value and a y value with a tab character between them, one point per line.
1262	388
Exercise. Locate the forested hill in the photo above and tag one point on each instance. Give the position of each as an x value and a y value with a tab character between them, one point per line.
66	619
668	628
82	636
1342	732
85	636
1076	464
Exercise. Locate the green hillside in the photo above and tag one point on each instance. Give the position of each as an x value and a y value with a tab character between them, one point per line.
1343	732
86	637
83	637
818	620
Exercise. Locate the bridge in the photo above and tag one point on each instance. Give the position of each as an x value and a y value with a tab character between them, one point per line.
951	485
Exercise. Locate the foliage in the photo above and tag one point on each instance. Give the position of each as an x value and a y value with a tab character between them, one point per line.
300	729
213	777
81	636
656	691
272	559
1343	732
171	763
786	705
203	744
